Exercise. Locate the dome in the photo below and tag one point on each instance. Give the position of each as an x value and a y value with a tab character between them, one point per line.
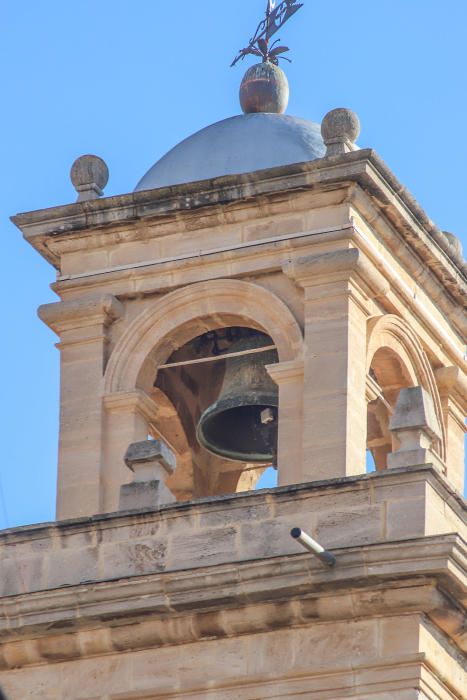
241	144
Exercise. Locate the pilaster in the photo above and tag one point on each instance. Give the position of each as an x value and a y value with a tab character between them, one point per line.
82	327
338	287
127	419
452	387
289	378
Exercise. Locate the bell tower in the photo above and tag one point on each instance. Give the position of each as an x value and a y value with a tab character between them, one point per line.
242	333
268	295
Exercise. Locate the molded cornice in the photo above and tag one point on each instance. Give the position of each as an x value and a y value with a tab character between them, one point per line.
364	167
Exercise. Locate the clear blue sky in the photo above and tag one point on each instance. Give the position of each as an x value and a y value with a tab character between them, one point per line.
128	80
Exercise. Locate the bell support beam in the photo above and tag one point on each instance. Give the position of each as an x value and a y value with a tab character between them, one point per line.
82	327
337	288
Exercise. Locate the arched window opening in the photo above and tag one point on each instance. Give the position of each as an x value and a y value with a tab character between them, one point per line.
388	375
227	407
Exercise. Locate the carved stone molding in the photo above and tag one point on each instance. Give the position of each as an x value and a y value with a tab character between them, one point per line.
63	316
347	263
282	593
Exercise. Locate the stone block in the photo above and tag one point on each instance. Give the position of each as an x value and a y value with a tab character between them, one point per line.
416	428
399	635
205	549
350	526
151	462
132	558
405	519
267	539
150	452
72	566
144	494
415	409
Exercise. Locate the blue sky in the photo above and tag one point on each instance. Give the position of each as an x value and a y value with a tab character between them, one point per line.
129	80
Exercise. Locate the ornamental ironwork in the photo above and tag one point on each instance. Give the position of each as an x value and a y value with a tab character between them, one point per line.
276	17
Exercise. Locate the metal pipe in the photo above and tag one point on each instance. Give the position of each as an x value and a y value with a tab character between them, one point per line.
314	547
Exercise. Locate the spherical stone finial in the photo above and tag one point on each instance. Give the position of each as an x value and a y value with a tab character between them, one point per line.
264	88
455	245
89	175
340	129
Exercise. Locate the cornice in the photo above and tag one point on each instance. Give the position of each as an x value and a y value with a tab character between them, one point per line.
364	167
420	575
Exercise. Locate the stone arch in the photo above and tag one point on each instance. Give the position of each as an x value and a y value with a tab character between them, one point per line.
393	335
168	324
190	311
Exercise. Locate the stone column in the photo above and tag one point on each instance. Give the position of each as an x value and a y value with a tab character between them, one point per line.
82	327
337	288
289	378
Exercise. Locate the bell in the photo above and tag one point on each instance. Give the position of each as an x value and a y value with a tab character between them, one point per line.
242	424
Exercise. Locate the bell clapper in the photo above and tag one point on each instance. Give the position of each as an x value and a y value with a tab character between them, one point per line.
267	416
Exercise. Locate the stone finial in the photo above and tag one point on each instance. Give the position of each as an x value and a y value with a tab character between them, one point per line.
340	129
89	175
455	244
151	462
264	88
415	428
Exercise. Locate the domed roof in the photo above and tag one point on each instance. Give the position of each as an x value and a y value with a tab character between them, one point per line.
241	144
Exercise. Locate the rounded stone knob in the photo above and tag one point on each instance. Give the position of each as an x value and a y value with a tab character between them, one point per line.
264	88
455	244
89	175
340	129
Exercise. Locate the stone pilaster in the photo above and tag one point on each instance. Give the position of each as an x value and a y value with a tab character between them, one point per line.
289	378
337	287
128	416
82	327
452	387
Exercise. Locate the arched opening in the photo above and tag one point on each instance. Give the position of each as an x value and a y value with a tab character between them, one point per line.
395	360
227	407
387	376
167	330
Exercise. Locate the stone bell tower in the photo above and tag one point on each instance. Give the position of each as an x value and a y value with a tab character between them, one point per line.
269	294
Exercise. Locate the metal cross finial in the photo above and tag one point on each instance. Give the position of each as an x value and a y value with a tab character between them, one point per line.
276	17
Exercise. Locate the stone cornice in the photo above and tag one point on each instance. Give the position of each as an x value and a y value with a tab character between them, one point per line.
62	316
364	167
422	575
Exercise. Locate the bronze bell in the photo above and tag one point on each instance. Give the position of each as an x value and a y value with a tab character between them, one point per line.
242	424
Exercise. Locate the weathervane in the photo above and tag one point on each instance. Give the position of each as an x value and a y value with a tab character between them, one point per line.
276	17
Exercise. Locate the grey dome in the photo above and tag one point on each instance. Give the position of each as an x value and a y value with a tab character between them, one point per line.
237	145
